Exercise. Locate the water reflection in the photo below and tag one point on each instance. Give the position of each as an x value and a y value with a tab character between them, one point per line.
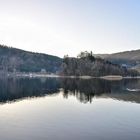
84	90
13	89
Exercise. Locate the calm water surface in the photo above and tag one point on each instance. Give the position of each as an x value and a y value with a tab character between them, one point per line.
69	109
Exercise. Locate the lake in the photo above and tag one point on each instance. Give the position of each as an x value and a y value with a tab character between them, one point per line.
69	109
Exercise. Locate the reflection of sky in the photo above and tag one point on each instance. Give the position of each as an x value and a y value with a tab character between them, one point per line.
54	117
69	26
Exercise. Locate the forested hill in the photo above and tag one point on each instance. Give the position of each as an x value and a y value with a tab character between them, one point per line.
87	64
130	58
15	59
127	56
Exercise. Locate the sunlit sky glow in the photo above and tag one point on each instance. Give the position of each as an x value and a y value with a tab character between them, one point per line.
60	27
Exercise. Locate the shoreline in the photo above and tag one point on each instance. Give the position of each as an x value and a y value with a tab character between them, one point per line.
36	75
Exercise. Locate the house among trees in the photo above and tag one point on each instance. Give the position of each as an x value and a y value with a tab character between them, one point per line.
43	71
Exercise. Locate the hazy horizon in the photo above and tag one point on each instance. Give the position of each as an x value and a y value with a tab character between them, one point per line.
60	27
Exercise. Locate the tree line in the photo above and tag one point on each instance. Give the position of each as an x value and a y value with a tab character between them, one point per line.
87	64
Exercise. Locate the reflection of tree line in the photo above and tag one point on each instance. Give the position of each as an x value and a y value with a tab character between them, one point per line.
13	89
83	90
120	91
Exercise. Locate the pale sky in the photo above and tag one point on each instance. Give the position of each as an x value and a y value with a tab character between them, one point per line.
60	27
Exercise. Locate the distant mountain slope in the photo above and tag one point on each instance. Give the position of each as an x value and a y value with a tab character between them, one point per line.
15	59
130	58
